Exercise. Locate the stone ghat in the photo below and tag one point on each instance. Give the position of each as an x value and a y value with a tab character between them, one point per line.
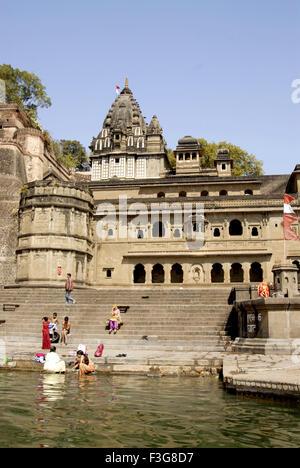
262	376
148	364
187	320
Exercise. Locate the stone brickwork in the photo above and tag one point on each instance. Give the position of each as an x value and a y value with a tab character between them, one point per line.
12	177
55	234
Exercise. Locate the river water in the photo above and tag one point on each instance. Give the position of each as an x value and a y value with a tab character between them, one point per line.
38	410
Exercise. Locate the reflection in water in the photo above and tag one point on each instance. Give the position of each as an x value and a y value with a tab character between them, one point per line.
53	386
52	410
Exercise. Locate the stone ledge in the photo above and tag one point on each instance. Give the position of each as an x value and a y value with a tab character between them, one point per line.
122	368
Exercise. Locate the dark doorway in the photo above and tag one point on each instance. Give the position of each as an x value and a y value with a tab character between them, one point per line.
139	274
256	273
236	273
217	273
158	274
176	273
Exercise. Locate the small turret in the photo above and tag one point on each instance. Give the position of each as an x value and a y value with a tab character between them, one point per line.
188	153
223	163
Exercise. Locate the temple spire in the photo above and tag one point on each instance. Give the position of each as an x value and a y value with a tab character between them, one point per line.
126	83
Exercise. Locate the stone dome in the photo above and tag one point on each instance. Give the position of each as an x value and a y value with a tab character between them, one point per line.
188	140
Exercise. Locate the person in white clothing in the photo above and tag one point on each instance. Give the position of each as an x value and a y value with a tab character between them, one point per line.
53	362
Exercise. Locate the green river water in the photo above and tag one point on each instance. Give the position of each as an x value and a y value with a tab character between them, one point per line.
38	410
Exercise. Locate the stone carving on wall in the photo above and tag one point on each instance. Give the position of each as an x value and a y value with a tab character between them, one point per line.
197	273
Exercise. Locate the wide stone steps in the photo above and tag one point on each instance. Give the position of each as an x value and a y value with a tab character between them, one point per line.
191	319
111	296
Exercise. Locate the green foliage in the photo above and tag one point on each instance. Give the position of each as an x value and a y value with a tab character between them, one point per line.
171	157
71	153
243	162
25	89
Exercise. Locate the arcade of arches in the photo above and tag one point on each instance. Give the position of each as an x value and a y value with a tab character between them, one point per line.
214	273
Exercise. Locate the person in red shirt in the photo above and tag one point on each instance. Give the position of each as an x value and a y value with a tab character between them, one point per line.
69	288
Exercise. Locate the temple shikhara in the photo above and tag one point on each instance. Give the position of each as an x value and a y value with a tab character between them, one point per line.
50	216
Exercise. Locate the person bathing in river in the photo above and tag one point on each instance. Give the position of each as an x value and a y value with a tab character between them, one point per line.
54	363
84	364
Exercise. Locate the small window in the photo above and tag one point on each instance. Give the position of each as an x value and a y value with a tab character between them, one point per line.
194	156
117	137
161	195
217	232
204	193
254	232
117	160
108	273
180	156
110	232
177	233
140	234
182	194
196	227
223	167
187	156
248	192
223	193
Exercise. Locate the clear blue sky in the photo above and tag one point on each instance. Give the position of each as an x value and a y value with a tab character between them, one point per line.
217	69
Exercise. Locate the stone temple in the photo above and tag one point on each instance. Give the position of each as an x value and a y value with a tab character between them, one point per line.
50	216
108	228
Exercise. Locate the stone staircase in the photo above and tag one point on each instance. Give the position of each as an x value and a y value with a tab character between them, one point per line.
157	319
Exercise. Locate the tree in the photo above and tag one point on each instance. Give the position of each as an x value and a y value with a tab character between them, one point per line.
243	162
71	153
25	89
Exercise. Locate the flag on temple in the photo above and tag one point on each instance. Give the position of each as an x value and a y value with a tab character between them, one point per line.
289	217
118	89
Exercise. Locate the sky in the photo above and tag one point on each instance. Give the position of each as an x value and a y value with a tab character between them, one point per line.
215	69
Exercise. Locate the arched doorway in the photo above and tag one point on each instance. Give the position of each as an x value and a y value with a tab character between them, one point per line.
158	274
235	228
139	274
256	273
236	273
217	273
176	273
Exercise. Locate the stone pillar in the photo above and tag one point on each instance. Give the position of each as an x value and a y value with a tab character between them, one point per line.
167	268
246	268
206	273
148	269
226	268
286	279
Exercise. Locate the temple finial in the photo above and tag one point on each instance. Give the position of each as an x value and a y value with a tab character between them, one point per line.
126	83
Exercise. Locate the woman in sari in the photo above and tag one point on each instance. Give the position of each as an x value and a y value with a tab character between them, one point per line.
115	319
46	336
